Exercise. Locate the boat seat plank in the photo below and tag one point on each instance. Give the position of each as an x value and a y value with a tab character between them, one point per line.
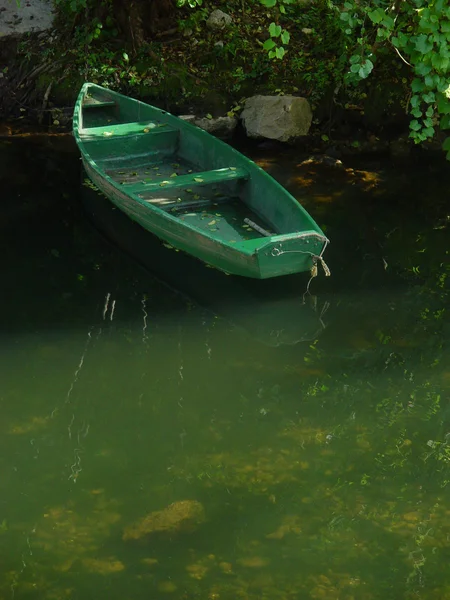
94	103
126	129
192	180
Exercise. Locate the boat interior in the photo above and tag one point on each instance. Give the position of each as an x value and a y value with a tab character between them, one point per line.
158	163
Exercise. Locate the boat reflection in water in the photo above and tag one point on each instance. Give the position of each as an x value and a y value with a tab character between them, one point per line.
275	312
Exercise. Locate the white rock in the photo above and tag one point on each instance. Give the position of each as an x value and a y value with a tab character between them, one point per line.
281	118
26	18
218	20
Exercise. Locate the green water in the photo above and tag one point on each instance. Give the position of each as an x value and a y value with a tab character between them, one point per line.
317	469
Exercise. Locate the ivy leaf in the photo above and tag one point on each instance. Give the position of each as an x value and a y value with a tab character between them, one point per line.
445	122
446	144
423	68
366	68
269	44
388	22
285	37
280	52
429	98
440	63
274	30
415	125
416	112
268	3
417	85
356	58
422	44
443	104
428	132
377	15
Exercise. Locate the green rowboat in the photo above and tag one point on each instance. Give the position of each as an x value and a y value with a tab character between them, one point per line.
192	190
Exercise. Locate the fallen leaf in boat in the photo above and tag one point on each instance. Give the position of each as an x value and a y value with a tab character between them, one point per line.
213	222
107	133
146	130
163	183
232	168
174	175
198	179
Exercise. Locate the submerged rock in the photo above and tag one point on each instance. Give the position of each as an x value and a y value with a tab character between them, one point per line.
179	517
282	118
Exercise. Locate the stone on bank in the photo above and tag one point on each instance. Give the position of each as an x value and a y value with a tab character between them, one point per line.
281	118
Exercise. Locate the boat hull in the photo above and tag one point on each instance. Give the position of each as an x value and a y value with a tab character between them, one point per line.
210	201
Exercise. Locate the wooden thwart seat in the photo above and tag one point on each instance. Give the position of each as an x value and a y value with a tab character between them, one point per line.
191	180
97	103
126	129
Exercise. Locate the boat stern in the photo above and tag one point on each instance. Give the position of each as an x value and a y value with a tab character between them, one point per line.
292	253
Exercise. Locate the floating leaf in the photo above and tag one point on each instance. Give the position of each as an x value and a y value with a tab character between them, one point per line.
232	168
146	130
179	200
214	229
107	133
163	183
167	246
196	197
213	222
174	175
189	191
209	116
198	179
175	165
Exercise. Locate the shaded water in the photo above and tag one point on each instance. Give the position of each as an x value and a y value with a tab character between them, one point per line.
298	448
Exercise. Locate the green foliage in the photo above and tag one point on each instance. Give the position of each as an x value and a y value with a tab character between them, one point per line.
419	34
190	3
